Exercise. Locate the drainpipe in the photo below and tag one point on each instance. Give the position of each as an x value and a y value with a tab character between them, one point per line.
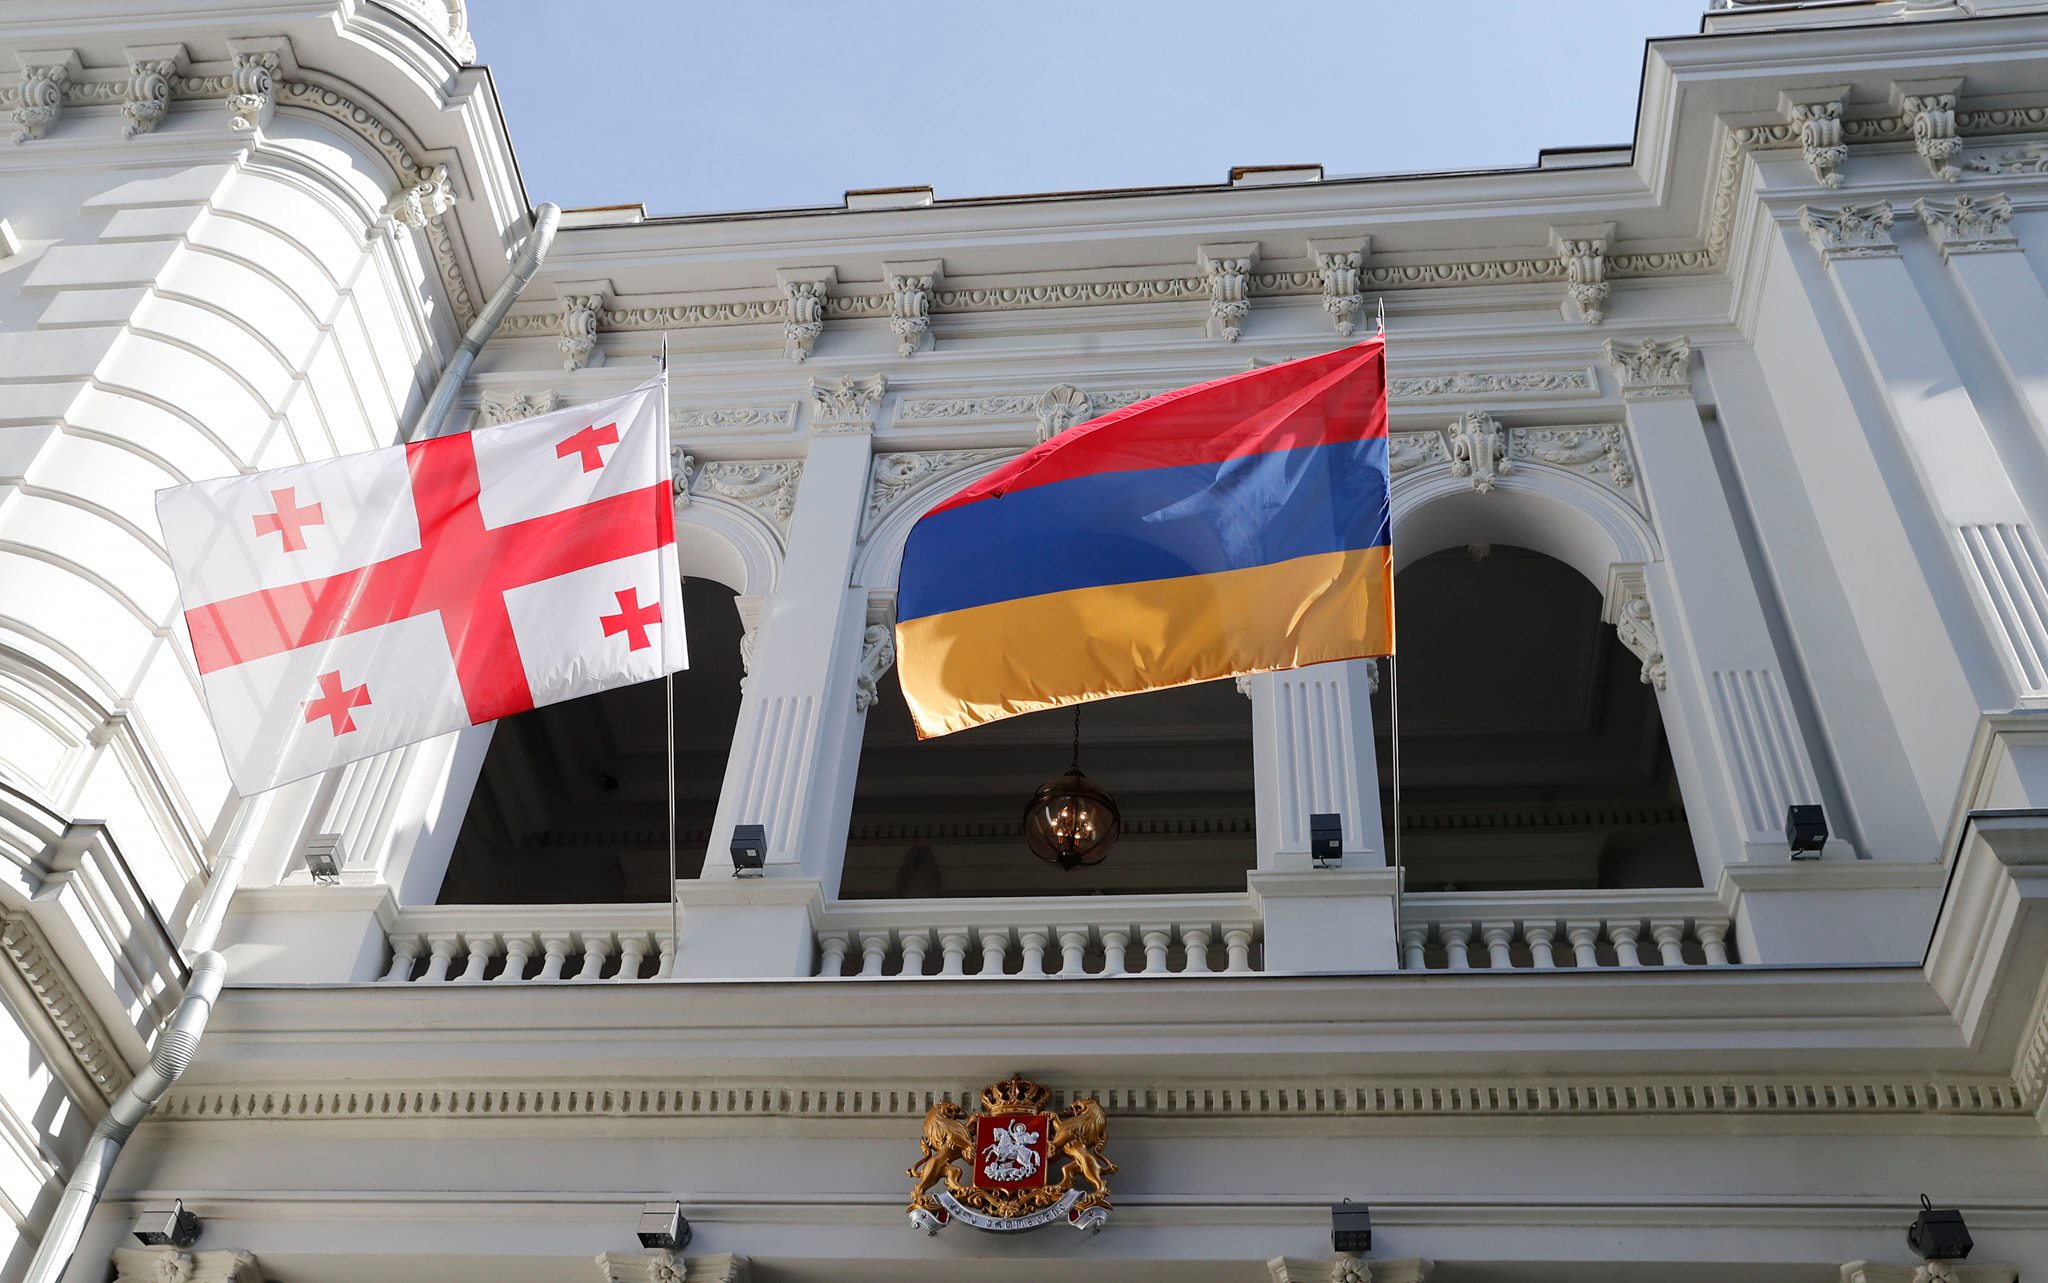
178	1041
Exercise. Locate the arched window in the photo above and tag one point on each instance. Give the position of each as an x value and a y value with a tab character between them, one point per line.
1532	753
570	806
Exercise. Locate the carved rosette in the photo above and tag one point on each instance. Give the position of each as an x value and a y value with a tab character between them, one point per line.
149	93
847	405
1969	225
495	408
579	328
1478	449
1852	231
877	652
1651	370
1933	118
252	88
768	486
42	95
1628	609
1061	407
1227	271
423	201
658	1266
1820	139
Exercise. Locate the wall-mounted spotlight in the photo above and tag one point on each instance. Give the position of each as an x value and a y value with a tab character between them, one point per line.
1350	1227
1938	1233
171	1226
1806	831
662	1225
1326	840
749	850
324	858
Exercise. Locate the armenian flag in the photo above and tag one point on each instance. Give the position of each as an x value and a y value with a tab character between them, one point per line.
1237	526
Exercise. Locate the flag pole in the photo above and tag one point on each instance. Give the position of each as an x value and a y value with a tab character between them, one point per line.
668	709
1393	704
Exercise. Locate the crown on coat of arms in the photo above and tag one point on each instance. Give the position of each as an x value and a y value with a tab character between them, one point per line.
1015	1095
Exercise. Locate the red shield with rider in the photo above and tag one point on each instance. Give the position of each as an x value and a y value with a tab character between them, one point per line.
1012	1151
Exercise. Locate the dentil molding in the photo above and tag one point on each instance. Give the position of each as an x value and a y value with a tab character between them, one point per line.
28	952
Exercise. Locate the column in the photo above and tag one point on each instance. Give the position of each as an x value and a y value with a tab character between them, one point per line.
1991	539
1976	240
1312	753
1749	754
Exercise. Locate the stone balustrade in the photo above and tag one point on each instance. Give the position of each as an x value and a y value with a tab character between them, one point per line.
500	943
1547	930
1041	936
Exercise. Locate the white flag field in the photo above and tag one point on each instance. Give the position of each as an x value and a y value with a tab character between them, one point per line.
342	608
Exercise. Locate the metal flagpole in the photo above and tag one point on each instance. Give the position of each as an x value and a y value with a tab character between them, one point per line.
1393	705
668	708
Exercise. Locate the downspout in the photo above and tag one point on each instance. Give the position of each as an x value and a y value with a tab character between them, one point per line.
178	1041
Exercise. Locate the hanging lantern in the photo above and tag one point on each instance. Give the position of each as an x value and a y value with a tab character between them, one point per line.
1071	820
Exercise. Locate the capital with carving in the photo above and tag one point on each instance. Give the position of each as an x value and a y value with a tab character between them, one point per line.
1929	107
1479	450
1817	115
582	308
911	286
847	405
1582	252
422	201
1228	271
494	408
877	652
1968	224
252	85
1651	370
1850	231
1341	264
803	307
1628	608
150	69
44	73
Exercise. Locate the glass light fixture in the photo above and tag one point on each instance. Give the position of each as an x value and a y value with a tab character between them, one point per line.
1071	820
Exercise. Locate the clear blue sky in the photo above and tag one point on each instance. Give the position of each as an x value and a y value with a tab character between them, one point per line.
699	105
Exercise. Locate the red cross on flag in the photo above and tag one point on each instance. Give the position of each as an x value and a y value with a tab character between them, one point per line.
342	608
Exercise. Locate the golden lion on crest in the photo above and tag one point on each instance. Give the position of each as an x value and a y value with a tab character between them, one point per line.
1070	1140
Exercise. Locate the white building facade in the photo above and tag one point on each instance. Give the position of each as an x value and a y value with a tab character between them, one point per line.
1718	461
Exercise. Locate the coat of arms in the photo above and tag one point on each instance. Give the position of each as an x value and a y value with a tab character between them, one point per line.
1011	1150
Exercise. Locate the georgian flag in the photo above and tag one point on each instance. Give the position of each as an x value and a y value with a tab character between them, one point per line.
342	608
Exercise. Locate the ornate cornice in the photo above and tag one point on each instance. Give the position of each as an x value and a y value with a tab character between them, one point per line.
28	953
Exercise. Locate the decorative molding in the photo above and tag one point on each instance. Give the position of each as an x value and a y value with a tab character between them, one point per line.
877	652
252	86
1599	450
422	202
734	418
1968	225
149	86
1932	118
2028	158
803	307
1051	407
1478	450
169	1265
44	75
846	406
1497	383
680	465
494	408
1582	252
1628	609
1227	271
448	20
1927	1272
1651	370
1061	407
910	301
1407	450
1339	263
1348	1269
1851	231
767	486
1817	116
670	1267
579	328
895	476
29	953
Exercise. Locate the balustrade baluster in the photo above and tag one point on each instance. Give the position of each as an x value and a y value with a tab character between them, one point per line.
1585	938
1073	951
405	951
832	953
1033	940
1156	941
916	944
632	949
518	949
953	943
1622	935
1414	946
597	946
1194	948
1116	942
1237	942
443	947
1457	938
874	951
1541	937
666	942
1670	938
482	946
554	954
1713	938
1499	937
995	950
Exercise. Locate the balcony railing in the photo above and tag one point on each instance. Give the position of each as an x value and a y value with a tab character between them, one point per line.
511	943
1545	930
1041	936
